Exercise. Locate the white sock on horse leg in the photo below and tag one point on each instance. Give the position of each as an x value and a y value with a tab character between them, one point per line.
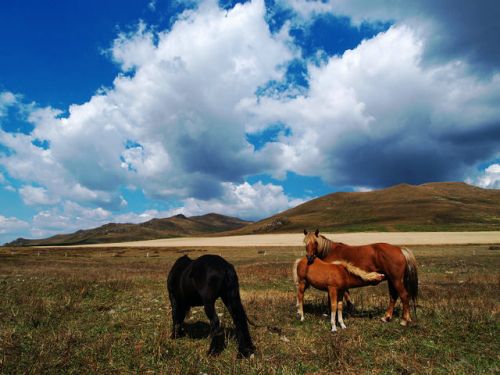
332	320
341	320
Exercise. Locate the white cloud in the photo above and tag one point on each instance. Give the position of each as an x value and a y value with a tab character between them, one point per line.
451	30
11	227
489	178
11	223
375	116
244	201
33	195
7	99
32	164
69	218
173	128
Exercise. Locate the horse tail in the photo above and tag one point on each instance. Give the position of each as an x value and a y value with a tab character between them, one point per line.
366	276
411	276
294	271
232	300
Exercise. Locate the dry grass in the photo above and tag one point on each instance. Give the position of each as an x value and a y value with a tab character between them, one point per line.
106	311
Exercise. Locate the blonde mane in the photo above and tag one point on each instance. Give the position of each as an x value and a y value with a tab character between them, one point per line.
324	244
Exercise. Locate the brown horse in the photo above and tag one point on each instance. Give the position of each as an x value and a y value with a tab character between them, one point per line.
333	277
398	264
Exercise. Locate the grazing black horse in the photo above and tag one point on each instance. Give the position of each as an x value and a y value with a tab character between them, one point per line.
200	282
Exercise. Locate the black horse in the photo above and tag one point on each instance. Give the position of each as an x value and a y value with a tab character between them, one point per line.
200	282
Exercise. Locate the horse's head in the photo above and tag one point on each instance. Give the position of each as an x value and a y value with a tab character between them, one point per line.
311	241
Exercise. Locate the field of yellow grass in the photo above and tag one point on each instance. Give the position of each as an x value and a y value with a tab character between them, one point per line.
105	310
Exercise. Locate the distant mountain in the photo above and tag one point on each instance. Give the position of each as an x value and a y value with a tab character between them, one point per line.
440	206
443	206
175	226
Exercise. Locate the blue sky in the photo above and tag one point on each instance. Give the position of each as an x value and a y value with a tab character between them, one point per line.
128	110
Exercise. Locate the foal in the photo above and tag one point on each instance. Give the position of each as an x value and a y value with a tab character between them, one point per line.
333	277
200	282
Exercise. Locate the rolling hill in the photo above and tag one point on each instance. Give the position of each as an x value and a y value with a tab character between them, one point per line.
444	206
174	226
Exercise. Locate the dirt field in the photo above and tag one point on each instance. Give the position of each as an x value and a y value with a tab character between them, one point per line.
397	238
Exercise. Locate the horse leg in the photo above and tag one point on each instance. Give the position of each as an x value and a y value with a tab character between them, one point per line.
178	315
393	296
332	292
349	303
216	332
301	288
232	300
405	300
339	311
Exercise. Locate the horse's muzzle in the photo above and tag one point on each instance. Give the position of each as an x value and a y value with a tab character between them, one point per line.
310	259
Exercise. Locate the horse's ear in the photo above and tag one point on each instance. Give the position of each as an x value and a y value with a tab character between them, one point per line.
305	232
317	232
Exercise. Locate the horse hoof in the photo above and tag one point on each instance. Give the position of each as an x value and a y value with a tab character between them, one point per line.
176	335
343	326
246	353
404	323
386	319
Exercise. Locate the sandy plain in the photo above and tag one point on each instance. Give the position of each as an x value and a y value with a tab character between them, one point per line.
295	239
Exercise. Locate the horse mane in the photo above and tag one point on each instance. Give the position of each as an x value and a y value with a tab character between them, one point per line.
367	276
324	244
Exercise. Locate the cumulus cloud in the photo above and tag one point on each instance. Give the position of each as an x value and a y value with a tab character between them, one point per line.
33	195
30	163
70	217
489	178
9	225
373	118
7	99
463	30
172	127
245	201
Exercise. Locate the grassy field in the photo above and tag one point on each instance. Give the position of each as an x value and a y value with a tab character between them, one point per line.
107	311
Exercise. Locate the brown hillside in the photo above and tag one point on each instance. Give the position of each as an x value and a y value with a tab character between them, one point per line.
429	207
174	226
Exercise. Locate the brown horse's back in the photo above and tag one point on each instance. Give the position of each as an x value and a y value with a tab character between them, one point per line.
378	257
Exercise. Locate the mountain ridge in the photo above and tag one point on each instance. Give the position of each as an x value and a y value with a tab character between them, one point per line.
436	206
174	226
431	206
